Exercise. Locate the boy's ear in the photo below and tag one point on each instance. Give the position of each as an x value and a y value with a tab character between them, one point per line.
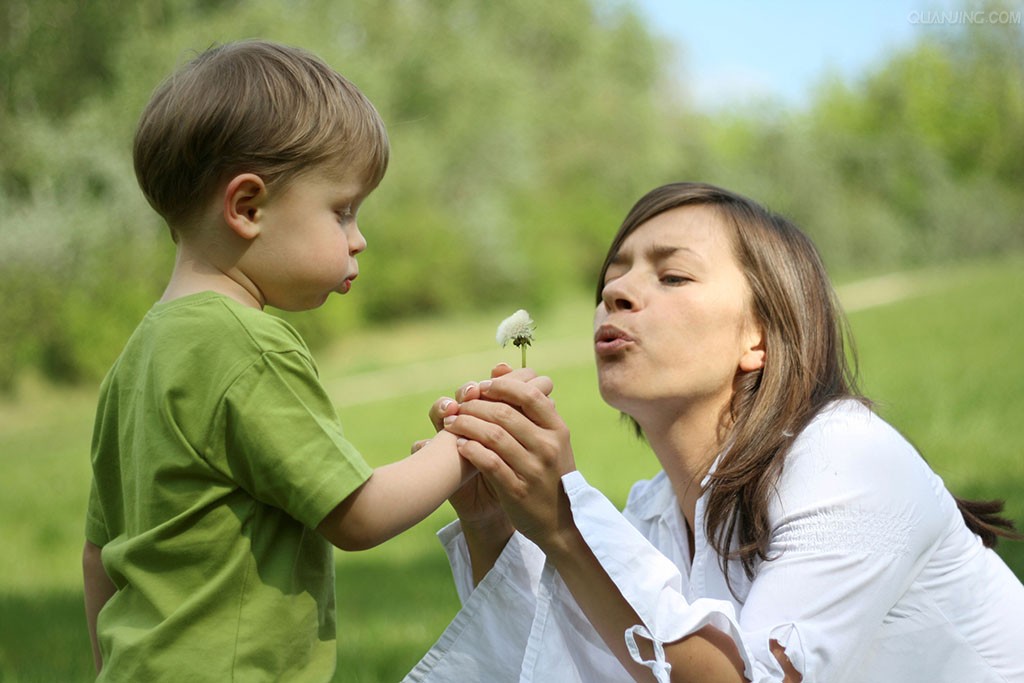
244	198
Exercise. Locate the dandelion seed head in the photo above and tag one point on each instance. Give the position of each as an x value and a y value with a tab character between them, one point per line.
517	328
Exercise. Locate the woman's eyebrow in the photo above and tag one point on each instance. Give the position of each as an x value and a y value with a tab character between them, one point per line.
661	252
656	253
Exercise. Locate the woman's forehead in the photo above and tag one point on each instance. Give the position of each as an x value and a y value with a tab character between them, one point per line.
700	230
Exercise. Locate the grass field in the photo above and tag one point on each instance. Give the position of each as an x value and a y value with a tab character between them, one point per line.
940	361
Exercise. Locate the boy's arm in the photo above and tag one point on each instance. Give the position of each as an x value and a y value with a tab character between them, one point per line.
397	496
98	589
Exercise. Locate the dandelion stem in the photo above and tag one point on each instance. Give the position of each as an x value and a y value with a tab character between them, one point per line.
523	349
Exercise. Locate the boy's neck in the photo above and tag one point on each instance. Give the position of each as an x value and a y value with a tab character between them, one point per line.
195	272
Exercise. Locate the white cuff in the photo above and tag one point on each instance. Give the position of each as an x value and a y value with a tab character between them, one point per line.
648	580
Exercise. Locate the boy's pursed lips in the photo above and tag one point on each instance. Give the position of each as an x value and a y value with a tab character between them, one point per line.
346	284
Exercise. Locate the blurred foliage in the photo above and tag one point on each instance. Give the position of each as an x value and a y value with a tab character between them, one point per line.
521	134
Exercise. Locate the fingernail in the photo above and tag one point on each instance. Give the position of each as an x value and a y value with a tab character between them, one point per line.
459	441
445	404
485	385
448	420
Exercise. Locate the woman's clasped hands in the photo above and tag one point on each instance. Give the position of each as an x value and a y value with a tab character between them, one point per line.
509	430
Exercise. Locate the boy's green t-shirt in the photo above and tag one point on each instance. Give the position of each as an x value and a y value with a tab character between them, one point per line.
216	453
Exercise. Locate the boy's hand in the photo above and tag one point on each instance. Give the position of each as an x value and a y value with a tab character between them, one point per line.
442	408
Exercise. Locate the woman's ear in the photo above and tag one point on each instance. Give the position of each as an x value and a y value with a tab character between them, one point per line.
753	354
244	197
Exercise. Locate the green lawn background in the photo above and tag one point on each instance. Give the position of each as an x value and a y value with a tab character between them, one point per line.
942	362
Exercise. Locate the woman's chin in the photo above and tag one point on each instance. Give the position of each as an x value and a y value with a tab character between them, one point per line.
614	392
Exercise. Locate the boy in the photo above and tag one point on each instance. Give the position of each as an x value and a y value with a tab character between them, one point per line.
216	451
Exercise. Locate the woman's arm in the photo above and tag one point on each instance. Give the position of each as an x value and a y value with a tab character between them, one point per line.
486	534
521	447
707	656
98	590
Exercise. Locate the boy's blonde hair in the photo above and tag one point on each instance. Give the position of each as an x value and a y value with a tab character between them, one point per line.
251	107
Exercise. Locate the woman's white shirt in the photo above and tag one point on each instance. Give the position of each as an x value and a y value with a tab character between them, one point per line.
874	577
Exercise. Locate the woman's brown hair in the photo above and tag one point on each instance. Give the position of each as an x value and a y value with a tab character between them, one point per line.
806	367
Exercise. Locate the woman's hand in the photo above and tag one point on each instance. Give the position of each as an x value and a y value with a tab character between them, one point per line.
515	437
475	502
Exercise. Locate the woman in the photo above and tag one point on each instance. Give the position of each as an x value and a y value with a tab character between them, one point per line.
792	535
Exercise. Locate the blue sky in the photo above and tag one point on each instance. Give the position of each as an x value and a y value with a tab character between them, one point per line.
731	52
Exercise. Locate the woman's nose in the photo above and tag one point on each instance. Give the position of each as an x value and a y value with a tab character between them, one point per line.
618	295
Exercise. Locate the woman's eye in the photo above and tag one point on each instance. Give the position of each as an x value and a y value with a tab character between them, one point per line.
674	279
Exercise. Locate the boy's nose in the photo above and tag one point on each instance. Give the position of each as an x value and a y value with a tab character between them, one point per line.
357	243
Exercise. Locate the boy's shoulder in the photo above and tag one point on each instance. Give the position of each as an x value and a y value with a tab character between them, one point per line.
196	347
203	338
211	320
